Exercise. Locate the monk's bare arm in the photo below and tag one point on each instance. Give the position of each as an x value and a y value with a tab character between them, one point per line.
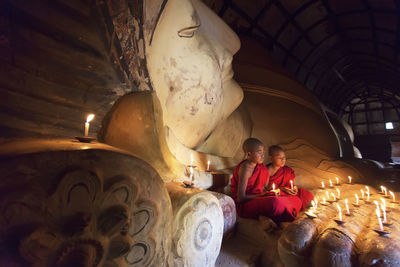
245	172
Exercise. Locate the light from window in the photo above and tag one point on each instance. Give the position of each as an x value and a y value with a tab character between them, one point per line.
389	125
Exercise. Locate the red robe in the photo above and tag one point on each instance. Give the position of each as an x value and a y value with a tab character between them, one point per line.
279	209
282	178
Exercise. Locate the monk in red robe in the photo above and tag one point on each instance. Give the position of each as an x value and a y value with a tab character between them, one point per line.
282	177
249	188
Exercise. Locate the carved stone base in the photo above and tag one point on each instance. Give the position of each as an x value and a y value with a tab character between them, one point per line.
198	226
64	203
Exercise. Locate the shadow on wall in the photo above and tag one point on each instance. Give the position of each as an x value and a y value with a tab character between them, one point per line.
376	147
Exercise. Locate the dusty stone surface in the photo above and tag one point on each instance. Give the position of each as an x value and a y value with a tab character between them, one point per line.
66	203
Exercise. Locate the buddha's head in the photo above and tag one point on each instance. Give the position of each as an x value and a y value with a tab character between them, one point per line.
189	60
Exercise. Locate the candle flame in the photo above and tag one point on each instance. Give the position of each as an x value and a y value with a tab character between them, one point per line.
392	194
349	179
356	199
208	165
330	183
367	189
337	180
378	213
324	200
273	186
377	204
347	206
322	185
338	192
362	194
382	188
334	197
327	194
340	212
384	213
89	118
291	184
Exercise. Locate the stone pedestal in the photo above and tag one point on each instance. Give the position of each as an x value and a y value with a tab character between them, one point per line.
65	203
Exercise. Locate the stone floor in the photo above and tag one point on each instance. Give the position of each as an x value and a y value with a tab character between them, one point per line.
250	246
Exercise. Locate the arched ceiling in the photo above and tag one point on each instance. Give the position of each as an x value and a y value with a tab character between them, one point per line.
340	49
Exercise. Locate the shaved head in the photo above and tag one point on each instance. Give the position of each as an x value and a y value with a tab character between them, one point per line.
273	149
251	144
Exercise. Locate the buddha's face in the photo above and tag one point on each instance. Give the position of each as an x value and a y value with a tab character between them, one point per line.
189	61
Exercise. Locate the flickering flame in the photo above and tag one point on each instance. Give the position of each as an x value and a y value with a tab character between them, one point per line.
392	194
349	179
273	187
330	183
384	213
322	185
327	194
191	174
367	189
291	184
340	212
362	194
378	213
314	205
333	196
367	195
208	165
382	188
337	181
323	200
347	206
356	199
89	118
385	190
377	204
383	203
338	192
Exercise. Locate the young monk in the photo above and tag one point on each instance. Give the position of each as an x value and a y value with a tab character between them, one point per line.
283	178
248	183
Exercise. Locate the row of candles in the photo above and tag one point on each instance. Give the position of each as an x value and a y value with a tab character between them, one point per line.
381	208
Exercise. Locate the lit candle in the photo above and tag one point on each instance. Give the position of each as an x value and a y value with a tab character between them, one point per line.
191	175
367	195
383	202
378	213
330	183
362	194
291	184
367	190
349	179
356	199
322	185
340	212
333	196
323	200
337	181
382	189
327	195
385	190
384	213
377	204
392	194
314	205
208	165
347	207
88	119
273	188
338	192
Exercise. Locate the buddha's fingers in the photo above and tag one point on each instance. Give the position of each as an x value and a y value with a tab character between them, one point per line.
334	249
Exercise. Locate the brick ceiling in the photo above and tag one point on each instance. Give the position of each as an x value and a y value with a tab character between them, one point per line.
340	49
